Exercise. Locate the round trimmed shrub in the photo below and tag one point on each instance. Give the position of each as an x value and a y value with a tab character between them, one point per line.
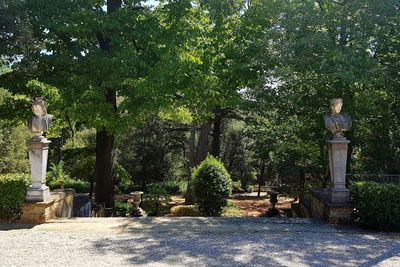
212	185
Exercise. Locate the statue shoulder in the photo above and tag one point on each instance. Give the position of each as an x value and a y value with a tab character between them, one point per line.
327	117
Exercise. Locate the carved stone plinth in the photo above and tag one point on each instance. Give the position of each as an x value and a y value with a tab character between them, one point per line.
38	152
337	149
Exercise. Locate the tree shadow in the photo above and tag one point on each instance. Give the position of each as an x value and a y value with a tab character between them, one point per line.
201	242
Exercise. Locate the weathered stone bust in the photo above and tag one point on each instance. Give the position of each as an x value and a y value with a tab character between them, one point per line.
40	121
336	122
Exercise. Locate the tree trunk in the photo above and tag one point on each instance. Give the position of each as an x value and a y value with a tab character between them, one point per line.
302	181
261	178
104	190
216	141
202	148
192	154
103	169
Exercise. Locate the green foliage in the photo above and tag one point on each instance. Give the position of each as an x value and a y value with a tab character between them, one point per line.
81	139
13	188
151	152
212	186
123	209
56	173
13	137
13	148
237	187
56	176
79	162
174	187
376	205
156	194
158	190
185	211
122	180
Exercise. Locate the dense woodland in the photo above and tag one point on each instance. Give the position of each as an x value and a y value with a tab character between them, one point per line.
144	93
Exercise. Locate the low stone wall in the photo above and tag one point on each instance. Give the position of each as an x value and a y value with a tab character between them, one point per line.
61	205
302	208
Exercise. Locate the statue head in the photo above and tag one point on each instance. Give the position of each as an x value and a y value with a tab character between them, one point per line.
336	105
39	107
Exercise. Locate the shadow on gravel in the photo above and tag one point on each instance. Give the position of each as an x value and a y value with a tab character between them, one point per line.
213	248
15	226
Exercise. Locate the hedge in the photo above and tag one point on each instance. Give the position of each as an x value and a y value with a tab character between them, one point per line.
13	188
377	205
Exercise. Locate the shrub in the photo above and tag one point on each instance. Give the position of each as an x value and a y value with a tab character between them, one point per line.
152	201
56	175
237	187
212	186
376	205
232	210
123	209
123	180
185	211
13	188
175	187
79	185
169	187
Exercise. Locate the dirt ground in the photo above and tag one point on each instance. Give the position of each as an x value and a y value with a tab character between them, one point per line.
253	206
257	206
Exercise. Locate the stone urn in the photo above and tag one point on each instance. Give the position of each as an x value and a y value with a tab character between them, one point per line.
273	199
136	200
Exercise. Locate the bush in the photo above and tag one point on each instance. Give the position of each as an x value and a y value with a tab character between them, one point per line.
185	211
123	209
13	188
376	205
237	187
123	180
152	201
56	175
212	186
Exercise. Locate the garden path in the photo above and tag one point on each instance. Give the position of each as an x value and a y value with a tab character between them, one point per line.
166	241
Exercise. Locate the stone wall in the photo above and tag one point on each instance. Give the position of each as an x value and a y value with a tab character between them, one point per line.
61	205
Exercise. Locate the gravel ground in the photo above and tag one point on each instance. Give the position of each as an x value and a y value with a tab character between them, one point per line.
194	242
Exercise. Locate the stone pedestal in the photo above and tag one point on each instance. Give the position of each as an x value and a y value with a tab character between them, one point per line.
337	149
321	207
60	205
38	153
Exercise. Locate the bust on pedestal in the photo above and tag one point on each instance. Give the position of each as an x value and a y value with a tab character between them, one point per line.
38	152
337	148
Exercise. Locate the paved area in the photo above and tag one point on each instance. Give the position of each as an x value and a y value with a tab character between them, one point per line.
194	242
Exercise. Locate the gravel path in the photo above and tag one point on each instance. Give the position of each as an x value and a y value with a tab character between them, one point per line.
194	242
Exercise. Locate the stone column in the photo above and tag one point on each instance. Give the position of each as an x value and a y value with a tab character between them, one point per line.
337	149
38	153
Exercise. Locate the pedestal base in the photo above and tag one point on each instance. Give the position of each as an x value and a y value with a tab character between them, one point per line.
60	205
38	194
339	196
321	207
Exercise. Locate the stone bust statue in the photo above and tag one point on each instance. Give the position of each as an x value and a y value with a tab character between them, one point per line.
336	122
40	121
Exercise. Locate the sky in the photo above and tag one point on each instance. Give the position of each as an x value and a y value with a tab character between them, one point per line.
152	2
